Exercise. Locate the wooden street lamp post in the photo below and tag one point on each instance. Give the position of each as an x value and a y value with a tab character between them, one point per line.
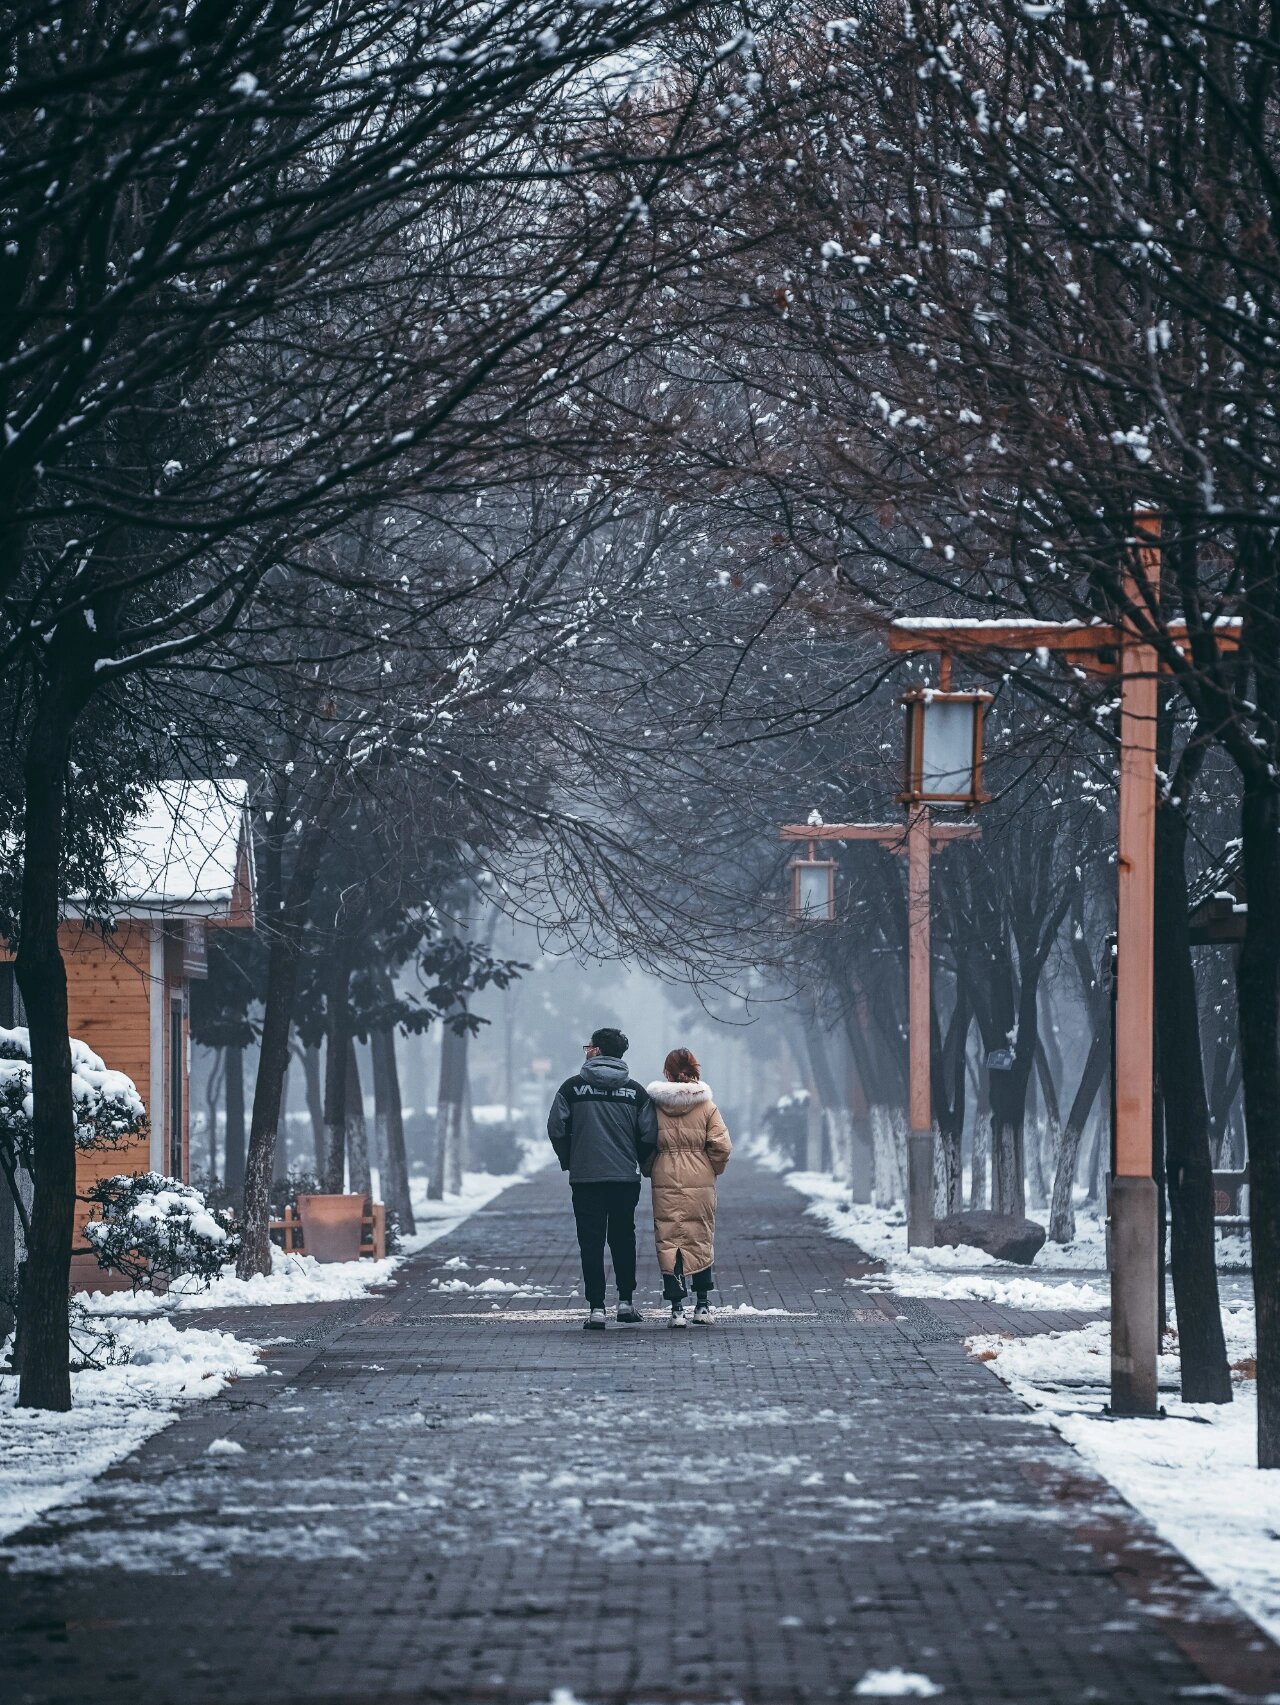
918	840
1110	649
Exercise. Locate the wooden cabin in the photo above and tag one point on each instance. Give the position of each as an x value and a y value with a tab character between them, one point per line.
185	866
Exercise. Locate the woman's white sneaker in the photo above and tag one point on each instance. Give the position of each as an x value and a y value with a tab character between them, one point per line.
702	1313
678	1316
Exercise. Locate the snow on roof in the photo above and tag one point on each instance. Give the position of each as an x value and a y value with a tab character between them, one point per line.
997	624
183	854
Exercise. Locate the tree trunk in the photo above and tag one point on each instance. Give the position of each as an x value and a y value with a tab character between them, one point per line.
315	1101
884	1187
1062	1213
338	1037
357	1129
280	1164
45	1377
1258	1003
446	1160
1206	1377
389	1116
212	1097
981	1151
1008	1098
234	1140
283	961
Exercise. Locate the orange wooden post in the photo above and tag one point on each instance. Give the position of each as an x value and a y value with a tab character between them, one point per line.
1091	646
1135	1265
920	838
920	1095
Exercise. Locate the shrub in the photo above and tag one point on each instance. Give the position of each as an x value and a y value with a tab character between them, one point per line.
108	1109
155	1228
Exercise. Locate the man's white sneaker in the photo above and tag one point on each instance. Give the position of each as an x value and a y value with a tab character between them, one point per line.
678	1316
629	1314
702	1314
595	1321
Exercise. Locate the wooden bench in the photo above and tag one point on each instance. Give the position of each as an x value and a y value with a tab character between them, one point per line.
287	1232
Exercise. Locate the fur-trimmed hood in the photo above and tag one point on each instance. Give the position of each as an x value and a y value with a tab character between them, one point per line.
678	1097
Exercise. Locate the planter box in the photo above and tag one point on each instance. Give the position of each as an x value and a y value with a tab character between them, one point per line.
332	1226
290	1233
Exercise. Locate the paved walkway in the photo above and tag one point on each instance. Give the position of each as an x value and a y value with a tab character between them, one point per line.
456	1495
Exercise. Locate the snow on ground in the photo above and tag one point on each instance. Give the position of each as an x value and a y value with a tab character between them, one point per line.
300	1278
48	1459
896	1684
954	1273
1192	1475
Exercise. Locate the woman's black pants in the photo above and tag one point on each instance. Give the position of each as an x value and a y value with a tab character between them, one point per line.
607	1213
673	1286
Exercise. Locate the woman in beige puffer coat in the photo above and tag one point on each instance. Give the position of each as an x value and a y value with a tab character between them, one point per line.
693	1150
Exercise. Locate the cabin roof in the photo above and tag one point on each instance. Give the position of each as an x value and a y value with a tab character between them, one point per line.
189	853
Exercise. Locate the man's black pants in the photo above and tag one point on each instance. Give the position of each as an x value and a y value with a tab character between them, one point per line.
607	1212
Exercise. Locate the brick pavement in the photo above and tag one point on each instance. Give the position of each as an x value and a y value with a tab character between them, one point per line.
456	1495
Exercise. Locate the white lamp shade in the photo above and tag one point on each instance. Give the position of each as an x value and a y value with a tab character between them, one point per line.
944	747
946	757
814	891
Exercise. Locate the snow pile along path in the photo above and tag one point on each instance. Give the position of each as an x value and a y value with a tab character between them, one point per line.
953	1274
1193	1475
48	1459
302	1279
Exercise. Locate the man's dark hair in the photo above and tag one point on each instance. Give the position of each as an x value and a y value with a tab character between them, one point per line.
610	1041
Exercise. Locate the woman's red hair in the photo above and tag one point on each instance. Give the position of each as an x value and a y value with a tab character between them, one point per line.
681	1066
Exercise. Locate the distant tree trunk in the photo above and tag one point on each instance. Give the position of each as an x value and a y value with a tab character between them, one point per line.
1206	1376
1062	1213
357	1129
280	1170
336	1072
313	1077
1099	1155
234	1138
212	1098
1222	1098
389	1119
459	1151
981	1152
291	913
949	1075
446	1161
1008	1101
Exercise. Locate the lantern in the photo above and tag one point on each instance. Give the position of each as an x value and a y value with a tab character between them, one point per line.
944	747
813	889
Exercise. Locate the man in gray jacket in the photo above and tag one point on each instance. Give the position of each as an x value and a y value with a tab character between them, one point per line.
603	1126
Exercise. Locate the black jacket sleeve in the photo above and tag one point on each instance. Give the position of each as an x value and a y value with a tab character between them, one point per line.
646	1130
558	1125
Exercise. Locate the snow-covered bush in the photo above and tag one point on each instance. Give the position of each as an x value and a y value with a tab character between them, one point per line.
155	1228
108	1109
